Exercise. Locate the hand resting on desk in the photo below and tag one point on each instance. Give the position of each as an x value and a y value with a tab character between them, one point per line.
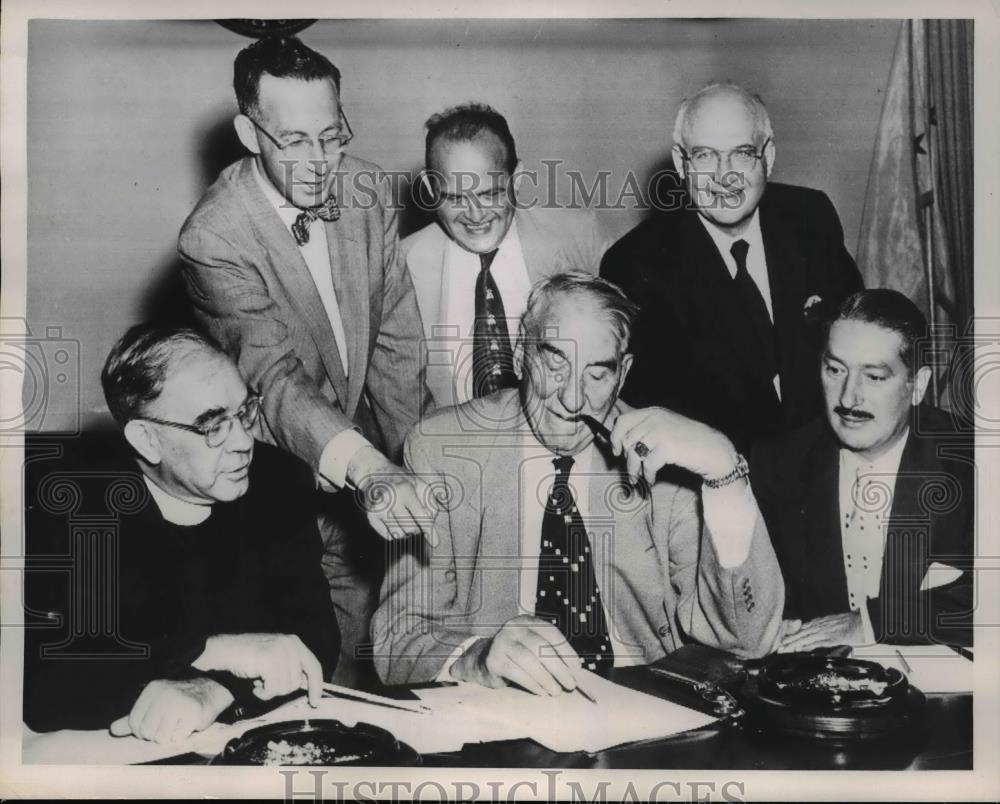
527	651
167	711
822	632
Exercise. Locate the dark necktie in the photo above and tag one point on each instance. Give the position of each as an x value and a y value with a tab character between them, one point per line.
756	308
567	594
492	356
330	211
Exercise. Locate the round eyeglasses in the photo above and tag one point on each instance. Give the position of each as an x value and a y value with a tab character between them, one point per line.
708	160
300	147
216	431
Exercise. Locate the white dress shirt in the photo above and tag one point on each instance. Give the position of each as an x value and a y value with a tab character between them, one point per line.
756	261
866	490
461	271
339	450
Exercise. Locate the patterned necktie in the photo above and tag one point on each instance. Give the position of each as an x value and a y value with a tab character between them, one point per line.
567	594
755	307
492	356
330	211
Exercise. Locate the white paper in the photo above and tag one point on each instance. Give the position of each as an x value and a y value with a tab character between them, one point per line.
567	722
932	668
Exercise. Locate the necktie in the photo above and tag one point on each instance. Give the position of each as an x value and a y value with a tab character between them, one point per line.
567	593
330	211
492	356
755	307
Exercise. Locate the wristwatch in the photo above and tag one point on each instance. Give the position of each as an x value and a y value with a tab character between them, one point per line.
742	469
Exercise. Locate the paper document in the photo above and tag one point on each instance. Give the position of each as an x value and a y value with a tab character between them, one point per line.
929	668
567	722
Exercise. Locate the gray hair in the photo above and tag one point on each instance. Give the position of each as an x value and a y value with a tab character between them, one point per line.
616	306
753	103
139	363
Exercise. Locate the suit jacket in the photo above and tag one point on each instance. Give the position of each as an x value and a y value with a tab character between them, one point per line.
552	241
116	596
251	289
660	577
795	479
691	344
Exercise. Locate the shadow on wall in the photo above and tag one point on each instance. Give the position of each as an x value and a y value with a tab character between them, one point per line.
164	299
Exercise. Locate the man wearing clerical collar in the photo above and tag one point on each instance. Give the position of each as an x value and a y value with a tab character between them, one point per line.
552	548
871	509
217	596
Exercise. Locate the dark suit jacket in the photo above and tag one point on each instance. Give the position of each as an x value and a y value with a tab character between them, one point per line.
251	288
795	480
116	596
691	344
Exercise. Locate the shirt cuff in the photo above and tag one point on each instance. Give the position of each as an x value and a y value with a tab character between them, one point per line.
730	515
866	625
336	457
444	674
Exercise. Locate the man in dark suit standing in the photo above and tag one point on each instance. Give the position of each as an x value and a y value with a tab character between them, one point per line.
291	260
730	281
871	511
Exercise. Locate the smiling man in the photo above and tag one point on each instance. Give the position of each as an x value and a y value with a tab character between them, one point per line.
211	577
552	549
872	509
732	281
473	269
291	261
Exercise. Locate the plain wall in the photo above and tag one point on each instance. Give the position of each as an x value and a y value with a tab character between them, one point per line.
129	122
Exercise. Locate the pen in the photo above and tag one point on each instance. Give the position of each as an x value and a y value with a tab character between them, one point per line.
902	659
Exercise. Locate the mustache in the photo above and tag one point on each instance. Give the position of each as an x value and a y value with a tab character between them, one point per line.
852	413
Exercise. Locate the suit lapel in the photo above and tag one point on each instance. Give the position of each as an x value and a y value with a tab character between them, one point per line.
908	533
292	273
350	283
786	273
822	555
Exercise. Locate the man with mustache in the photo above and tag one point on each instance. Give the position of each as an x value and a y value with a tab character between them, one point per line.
291	260
472	269
871	511
731	277
204	592
552	548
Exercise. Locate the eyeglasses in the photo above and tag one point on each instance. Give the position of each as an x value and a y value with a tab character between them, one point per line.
708	159
217	431
301	147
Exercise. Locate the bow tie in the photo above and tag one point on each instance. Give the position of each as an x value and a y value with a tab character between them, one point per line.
328	212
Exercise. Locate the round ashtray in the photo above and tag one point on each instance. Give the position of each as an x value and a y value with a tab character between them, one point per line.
828	697
317	742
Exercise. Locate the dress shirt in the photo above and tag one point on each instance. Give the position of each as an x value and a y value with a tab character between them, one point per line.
864	516
756	261
461	270
339	450
732	524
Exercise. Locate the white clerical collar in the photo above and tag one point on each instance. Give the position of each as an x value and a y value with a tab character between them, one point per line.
886	464
724	241
175	510
285	208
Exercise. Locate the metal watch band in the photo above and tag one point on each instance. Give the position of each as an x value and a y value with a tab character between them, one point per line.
742	469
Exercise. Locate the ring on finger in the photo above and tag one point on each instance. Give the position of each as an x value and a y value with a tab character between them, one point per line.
641	449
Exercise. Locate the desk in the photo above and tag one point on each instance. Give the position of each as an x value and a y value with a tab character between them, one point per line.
945	744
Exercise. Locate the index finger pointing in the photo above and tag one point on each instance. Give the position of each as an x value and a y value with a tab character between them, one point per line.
313	672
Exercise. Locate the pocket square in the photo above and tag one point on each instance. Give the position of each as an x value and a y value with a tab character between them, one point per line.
939	574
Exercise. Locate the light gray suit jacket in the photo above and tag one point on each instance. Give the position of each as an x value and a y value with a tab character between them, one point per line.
252	289
552	241
661	579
